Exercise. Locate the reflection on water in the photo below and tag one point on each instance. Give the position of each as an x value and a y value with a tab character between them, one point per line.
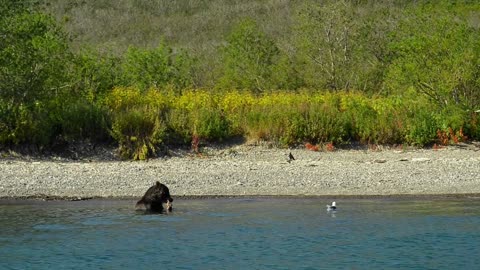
241	234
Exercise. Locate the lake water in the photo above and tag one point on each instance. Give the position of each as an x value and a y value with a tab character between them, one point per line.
242	234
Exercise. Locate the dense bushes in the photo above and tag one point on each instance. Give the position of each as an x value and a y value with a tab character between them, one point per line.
142	121
156	67
34	66
137	121
436	53
341	71
248	58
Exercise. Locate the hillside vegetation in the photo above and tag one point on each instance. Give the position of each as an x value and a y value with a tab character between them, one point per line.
150	73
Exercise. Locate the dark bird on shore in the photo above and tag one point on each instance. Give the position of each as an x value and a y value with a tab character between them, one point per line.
290	157
154	198
332	207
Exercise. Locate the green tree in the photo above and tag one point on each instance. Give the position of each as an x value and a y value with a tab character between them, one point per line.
436	53
327	35
34	72
157	67
12	7
248	58
96	73
378	21
33	58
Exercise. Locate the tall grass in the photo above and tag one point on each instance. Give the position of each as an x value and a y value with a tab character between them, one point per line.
138	121
143	121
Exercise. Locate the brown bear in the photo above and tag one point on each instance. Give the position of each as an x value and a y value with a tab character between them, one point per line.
154	199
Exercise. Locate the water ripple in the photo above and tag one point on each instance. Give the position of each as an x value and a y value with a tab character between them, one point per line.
242	234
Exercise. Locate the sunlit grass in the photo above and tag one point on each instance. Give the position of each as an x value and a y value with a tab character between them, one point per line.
287	118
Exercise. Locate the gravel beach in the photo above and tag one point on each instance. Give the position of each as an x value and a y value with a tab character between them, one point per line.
251	171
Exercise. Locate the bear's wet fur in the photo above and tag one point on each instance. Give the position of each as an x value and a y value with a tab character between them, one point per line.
155	197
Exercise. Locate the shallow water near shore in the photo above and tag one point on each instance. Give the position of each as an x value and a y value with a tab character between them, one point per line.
240	233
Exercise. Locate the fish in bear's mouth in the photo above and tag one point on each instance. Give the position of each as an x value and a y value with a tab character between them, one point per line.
169	206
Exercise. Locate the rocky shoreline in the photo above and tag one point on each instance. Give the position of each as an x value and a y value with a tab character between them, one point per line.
247	170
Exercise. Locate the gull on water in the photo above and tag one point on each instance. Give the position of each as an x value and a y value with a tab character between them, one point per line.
332	207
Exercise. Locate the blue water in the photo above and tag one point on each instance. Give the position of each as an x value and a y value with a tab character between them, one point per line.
242	234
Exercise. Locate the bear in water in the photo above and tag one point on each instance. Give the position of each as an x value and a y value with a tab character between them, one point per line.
154	199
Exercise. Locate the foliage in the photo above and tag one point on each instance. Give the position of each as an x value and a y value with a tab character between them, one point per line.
327	43
34	65
248	58
291	118
33	58
436	53
137	121
96	73
82	119
22	123
323	73
375	120
13	7
156	67
198	114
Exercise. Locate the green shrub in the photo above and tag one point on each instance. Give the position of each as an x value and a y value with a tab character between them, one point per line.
7	123
158	67
422	128
290	118
248	58
84	120
34	58
96	73
472	128
390	122
138	121
199	114
315	121
35	125
332	53
435	52
34	71
454	117
211	124
325	123
138	132
266	124
362	117
180	126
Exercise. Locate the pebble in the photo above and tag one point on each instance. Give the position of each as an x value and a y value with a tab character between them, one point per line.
254	171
